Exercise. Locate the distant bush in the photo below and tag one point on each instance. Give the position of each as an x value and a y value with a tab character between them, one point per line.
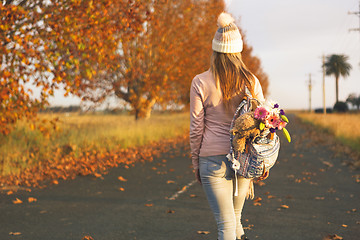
321	110
60	109
341	107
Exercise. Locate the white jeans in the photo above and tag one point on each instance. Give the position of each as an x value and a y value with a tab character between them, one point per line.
218	182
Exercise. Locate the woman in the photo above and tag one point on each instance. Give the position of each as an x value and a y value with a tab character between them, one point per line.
214	96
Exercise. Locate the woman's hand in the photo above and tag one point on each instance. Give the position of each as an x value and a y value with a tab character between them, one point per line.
197	175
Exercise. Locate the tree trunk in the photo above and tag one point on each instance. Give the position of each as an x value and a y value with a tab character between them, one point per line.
337	88
143	111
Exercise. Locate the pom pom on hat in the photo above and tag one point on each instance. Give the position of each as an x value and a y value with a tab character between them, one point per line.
227	38
224	20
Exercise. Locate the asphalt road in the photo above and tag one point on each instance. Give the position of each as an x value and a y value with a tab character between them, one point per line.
310	194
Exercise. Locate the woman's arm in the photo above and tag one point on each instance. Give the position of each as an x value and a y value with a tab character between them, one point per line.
258	91
196	121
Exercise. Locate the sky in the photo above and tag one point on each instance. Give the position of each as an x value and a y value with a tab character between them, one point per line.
290	37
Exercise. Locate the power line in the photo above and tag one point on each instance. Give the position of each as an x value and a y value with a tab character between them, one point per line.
358	14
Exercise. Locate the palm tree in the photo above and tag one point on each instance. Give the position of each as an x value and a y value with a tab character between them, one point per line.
337	65
354	100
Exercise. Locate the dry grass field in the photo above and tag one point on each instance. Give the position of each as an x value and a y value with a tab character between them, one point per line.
345	127
79	133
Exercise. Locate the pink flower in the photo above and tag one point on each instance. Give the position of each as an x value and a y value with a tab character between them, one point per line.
272	120
281	125
261	113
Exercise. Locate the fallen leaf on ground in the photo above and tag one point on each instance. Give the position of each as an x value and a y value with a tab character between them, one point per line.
17	201
284	206
203	232
327	163
31	199
87	238
98	175
121	189
149	204
352	210
9	192
319	198
344	225
260	183
14	233
258	199
332	237
170	211
122	179
249	227
192	195
170	181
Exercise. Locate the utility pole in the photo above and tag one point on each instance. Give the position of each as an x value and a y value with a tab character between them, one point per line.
358	14
310	87
323	68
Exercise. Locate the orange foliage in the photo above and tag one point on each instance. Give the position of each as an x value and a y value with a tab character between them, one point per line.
48	44
158	64
90	162
140	51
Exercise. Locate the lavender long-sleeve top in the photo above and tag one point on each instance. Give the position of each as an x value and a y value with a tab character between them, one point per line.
209	121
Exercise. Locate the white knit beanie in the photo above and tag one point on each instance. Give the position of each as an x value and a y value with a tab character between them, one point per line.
227	38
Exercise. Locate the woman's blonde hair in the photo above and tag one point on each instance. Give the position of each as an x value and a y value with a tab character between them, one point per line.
231	75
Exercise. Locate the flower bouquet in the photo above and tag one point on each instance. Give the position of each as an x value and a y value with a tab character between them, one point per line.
272	118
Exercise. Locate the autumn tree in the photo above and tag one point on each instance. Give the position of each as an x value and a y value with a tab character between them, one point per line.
144	52
48	44
157	65
20	56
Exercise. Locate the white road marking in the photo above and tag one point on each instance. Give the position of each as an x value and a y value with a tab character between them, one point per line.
177	194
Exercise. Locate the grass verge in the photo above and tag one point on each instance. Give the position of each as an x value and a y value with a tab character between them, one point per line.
344	127
77	135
